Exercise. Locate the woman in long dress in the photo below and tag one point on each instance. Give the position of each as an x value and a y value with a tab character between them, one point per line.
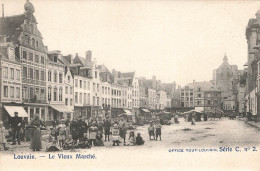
36	139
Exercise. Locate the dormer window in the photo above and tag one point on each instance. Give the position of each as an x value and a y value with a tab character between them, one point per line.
55	58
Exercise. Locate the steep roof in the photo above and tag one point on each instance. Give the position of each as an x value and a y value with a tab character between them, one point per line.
126	76
105	74
12	27
82	61
4	54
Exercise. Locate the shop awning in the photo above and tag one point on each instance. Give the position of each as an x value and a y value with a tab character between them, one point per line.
62	108
127	112
19	109
145	110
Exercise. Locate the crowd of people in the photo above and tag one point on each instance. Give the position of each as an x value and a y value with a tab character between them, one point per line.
79	133
85	133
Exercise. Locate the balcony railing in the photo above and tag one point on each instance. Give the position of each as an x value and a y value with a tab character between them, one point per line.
33	101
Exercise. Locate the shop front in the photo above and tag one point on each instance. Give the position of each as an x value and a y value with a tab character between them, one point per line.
145	113
96	112
106	111
59	112
9	112
115	112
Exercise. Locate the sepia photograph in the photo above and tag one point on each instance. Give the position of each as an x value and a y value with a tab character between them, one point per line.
129	85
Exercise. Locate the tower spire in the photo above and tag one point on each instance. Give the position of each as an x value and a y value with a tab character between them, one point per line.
225	59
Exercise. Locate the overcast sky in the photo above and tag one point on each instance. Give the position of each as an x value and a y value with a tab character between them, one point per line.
173	40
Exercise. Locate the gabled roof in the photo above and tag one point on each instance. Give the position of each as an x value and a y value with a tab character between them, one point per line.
65	61
12	27
105	74
126	76
82	61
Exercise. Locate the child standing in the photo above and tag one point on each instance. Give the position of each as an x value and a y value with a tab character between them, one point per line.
158	128
93	133
2	137
151	131
115	135
62	133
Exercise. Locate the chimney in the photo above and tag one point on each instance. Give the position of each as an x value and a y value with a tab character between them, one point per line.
115	75
88	56
107	77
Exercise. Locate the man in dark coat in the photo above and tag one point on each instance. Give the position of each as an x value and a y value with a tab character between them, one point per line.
16	123
82	127
74	130
107	126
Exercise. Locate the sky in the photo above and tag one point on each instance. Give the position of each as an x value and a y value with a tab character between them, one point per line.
177	41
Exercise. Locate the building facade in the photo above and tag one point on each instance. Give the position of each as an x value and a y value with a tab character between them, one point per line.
11	80
56	88
252	91
23	32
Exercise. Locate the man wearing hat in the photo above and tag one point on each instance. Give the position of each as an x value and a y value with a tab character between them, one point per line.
16	123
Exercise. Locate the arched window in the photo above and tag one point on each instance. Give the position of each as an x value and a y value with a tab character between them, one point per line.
60	94
49	93
55	94
49	75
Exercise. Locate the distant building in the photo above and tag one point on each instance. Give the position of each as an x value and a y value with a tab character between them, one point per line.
200	95
212	99
225	78
187	96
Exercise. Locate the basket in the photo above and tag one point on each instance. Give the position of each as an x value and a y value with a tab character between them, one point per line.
28	132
